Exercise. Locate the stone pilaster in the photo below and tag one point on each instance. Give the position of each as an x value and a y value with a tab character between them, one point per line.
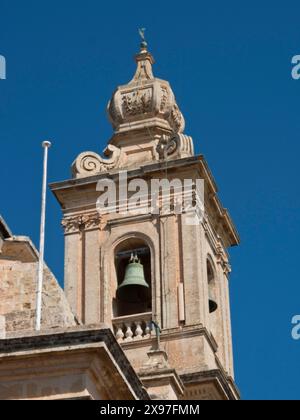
193	272
224	321
82	267
170	270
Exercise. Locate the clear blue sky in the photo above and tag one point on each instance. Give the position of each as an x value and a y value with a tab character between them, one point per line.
229	65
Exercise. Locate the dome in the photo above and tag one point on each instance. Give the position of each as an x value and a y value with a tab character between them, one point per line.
145	101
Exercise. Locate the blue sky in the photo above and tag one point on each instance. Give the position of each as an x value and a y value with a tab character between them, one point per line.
229	64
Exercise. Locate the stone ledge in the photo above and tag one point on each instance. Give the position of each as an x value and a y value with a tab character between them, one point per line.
19	248
224	383
163	377
72	337
4	229
175	334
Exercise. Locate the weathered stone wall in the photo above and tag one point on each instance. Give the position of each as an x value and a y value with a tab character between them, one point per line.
18	295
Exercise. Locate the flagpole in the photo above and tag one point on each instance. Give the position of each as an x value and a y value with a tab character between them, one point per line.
46	145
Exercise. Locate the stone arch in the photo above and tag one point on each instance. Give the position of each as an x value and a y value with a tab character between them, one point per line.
212	283
111	280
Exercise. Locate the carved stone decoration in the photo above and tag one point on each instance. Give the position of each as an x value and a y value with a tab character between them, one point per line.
72	224
175	147
176	121
92	221
137	102
81	222
164	98
90	163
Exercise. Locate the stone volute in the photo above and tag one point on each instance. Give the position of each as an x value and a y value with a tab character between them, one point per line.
148	125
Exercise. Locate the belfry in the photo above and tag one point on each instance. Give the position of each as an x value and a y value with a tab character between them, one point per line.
177	275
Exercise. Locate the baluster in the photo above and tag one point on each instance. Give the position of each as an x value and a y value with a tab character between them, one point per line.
129	333
147	330
139	331
120	334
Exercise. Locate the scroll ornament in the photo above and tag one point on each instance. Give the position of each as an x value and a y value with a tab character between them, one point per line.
90	163
177	146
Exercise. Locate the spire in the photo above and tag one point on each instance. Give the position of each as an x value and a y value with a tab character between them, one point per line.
144	61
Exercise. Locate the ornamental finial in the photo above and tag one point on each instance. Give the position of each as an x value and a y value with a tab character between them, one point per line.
144	43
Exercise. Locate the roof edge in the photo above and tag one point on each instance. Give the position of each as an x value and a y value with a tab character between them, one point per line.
4	229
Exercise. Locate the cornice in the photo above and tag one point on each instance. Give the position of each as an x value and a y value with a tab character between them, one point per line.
4	229
225	383
61	189
71	338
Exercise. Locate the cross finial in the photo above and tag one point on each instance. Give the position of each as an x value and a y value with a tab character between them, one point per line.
143	37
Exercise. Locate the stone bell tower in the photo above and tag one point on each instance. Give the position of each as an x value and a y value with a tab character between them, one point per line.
179	272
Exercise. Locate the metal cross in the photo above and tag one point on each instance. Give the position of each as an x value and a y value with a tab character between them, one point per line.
142	34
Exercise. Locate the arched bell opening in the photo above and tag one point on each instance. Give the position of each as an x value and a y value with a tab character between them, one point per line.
133	272
212	295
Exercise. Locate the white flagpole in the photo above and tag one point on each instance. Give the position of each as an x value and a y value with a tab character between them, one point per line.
46	146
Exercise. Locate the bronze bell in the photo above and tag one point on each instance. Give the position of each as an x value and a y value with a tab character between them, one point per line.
213	306
134	288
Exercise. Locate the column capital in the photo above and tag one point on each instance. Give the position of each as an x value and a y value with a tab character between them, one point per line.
81	222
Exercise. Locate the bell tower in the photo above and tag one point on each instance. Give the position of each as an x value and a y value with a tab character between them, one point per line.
160	281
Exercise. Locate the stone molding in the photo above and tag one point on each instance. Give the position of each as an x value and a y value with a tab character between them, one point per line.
229	232
81	338
222	382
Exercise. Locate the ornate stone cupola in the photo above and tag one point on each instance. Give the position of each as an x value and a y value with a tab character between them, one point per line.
147	124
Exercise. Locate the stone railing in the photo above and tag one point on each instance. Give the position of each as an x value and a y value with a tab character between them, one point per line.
133	327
